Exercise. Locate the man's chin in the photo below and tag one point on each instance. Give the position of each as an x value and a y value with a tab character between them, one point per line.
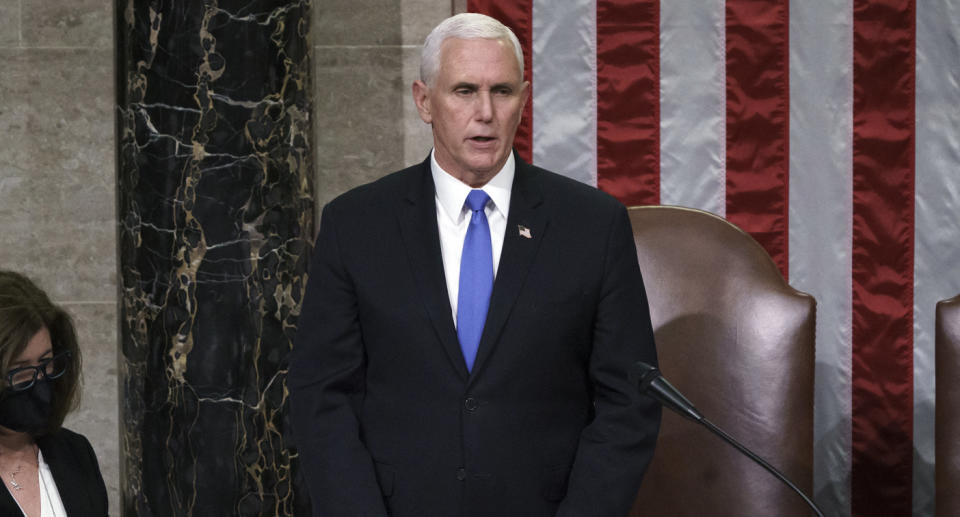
484	173
486	163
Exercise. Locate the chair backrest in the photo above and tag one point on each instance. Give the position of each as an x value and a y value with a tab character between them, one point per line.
948	407
738	341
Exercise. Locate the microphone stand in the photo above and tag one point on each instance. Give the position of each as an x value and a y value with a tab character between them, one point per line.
651	383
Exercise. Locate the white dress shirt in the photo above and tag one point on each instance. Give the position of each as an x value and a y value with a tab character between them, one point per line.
50	503
453	219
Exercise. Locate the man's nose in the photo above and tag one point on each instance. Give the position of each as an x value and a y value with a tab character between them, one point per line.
484	108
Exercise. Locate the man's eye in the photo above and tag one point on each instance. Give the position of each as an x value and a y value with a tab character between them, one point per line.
503	91
463	91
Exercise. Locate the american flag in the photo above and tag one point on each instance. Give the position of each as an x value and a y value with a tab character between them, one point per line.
827	129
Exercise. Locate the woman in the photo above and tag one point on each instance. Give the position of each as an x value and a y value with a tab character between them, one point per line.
48	471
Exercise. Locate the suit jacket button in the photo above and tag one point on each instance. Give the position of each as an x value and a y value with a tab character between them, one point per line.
461	474
471	404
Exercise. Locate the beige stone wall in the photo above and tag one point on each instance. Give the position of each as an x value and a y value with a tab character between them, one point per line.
57	184
366	56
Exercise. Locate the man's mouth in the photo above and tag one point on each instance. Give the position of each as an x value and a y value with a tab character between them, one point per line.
482	139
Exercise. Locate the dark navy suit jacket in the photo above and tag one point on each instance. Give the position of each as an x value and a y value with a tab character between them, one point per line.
387	419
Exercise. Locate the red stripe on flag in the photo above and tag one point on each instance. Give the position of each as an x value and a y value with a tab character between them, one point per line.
757	137
884	59
518	15
628	100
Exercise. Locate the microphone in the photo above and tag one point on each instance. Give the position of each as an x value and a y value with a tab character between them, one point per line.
650	382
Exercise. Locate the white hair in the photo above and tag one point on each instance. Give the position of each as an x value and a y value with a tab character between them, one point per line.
463	26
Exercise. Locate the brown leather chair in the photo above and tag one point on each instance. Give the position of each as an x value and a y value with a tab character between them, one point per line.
738	341
948	407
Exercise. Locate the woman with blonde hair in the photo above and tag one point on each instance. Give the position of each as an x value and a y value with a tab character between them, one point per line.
47	470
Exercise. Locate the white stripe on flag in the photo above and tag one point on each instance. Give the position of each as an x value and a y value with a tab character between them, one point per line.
693	104
937	229
565	88
821	223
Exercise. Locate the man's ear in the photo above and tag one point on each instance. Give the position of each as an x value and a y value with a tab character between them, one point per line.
421	97
524	95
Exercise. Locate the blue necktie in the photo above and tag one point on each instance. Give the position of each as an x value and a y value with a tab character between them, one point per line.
476	278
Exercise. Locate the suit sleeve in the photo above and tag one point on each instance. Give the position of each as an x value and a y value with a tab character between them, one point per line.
99	488
617	446
326	382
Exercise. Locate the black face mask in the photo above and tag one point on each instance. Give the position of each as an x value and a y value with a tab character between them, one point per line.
27	411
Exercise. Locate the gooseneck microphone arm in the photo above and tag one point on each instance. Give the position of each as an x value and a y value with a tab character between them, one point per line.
651	383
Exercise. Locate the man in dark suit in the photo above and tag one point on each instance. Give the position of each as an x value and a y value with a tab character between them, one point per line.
469	322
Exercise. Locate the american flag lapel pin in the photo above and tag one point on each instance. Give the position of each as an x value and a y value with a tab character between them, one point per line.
524	231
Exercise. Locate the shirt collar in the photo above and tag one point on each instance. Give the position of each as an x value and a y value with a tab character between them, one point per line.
452	193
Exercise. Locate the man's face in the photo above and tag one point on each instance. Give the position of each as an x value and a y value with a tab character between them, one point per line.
474	107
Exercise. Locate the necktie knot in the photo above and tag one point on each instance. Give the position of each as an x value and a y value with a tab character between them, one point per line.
477	200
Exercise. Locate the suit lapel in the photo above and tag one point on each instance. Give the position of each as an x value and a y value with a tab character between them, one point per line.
526	227
56	454
8	505
421	238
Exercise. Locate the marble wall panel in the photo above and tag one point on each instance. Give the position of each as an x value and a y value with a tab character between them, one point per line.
216	223
77	23
56	170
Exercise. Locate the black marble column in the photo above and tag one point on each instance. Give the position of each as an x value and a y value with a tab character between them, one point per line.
215	209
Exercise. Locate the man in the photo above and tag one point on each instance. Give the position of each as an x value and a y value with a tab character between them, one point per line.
469	322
